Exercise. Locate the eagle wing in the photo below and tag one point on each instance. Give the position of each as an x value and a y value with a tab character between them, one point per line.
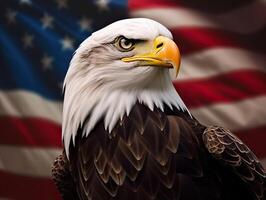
229	150
63	179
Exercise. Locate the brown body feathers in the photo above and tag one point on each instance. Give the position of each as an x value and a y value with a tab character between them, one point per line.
159	155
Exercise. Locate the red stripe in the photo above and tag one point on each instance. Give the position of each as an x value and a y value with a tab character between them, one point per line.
209	6
225	88
30	132
255	139
191	40
140	4
24	188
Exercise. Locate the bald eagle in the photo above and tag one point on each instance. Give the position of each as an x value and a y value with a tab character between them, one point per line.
128	135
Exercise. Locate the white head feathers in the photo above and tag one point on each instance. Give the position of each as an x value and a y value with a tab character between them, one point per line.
99	85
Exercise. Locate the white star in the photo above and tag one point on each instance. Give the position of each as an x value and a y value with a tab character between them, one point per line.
27	40
61	4
102	4
85	24
47	62
67	43
25	2
11	16
47	21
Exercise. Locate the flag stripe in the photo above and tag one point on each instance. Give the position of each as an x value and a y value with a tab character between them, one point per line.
230	115
24	188
207	6
224	88
33	132
252	14
219	114
37	162
191	39
28	161
18	103
245	114
214	62
42	133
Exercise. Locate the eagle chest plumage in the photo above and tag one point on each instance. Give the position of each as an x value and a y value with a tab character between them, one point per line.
144	157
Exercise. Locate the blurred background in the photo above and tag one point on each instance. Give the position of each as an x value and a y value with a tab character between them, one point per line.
222	78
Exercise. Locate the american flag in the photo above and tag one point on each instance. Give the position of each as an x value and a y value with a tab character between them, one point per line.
222	78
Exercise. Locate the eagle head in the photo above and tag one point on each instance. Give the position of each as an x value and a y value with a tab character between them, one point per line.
124	63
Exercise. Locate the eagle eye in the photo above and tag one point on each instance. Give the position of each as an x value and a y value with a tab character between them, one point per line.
125	44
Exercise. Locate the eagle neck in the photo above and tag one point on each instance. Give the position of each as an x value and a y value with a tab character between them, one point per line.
110	105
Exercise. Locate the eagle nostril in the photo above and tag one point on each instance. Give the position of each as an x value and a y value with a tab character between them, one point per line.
159	45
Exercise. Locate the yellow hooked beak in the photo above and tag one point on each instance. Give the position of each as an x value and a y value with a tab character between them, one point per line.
163	52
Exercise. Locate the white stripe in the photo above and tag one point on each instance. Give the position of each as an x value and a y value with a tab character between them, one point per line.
246	19
244	114
20	103
36	162
239	115
213	62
